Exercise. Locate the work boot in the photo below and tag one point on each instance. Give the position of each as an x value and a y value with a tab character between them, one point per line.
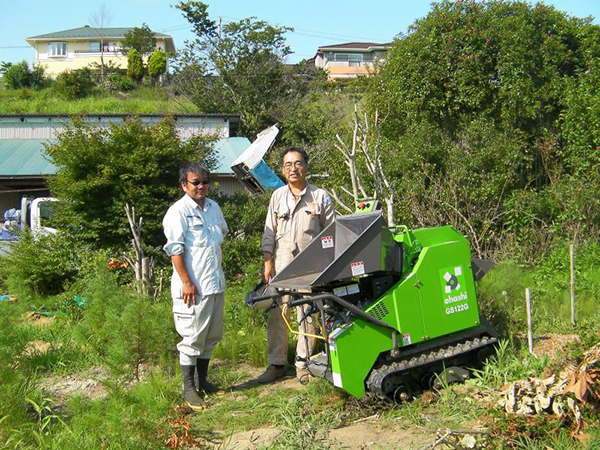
302	374
272	373
190	395
203	384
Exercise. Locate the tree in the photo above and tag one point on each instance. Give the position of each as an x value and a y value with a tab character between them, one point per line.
471	101
141	39
240	71
19	76
100	170
4	66
135	65
100	19
157	64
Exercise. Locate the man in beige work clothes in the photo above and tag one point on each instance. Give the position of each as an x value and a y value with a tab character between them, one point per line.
298	212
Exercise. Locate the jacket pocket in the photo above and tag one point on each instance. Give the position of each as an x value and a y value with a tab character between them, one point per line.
199	232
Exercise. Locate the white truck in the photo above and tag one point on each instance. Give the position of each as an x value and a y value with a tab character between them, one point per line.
34	213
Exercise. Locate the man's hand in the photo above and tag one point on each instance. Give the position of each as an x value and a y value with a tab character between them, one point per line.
189	289
268	270
189	292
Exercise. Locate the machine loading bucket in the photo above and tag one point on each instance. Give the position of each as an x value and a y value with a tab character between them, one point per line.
351	246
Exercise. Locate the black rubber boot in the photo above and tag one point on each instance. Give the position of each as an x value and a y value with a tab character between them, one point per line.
203	384
190	395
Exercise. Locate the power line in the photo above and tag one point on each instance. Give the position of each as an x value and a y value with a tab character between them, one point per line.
16	46
298	31
319	33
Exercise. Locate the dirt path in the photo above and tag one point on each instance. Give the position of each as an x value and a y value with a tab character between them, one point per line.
375	431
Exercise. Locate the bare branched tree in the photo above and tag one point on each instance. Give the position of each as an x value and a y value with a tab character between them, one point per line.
143	266
366	138
100	19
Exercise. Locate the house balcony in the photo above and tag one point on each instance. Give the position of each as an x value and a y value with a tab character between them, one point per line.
91	54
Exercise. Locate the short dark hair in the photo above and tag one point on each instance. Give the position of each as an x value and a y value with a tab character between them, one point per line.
294	149
193	167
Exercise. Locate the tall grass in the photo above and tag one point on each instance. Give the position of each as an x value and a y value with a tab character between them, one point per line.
245	336
141	101
502	292
508	364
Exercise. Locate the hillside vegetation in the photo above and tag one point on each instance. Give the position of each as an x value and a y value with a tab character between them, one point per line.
152	100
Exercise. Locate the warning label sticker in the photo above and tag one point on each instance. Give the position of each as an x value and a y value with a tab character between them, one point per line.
327	241
358	268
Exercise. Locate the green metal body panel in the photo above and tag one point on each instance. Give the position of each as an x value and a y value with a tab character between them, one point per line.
445	281
353	352
435	298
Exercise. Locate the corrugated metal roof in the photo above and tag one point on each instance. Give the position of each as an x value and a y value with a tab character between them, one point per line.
25	157
91	32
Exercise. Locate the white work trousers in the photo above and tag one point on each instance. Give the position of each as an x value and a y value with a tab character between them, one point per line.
200	327
277	338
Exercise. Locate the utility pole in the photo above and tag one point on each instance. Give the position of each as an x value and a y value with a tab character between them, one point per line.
219	27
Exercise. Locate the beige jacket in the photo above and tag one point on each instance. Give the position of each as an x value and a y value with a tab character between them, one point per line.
290	226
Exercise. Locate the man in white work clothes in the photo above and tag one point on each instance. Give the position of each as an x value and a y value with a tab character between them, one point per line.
297	213
195	227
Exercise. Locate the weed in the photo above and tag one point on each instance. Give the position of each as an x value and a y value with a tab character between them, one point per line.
508	364
45	419
245	335
302	424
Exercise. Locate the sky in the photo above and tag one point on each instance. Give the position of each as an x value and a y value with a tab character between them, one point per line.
315	23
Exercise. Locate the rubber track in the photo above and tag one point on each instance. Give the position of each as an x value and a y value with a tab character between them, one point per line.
375	380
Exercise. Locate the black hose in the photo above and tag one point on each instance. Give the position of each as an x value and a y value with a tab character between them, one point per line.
349	306
356	311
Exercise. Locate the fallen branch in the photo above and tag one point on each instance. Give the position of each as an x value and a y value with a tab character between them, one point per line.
364	419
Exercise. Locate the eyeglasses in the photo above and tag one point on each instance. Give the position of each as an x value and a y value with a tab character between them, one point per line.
297	165
198	183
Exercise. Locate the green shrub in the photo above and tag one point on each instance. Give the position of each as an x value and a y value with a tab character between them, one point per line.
135	65
17	76
119	82
40	266
73	84
245	216
99	170
157	64
15	385
123	329
20	76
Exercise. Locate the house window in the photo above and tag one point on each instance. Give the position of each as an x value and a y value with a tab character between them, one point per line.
94	47
57	49
353	59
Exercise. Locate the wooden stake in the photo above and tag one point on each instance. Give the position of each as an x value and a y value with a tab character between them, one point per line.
529	321
572	258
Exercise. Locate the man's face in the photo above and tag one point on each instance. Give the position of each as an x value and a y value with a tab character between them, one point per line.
294	167
196	187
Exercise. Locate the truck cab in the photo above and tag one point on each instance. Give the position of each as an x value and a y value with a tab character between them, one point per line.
35	214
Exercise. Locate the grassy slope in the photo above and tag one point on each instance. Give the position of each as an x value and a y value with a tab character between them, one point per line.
141	101
303	416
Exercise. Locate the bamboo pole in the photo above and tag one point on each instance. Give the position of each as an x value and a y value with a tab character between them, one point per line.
572	258
529	322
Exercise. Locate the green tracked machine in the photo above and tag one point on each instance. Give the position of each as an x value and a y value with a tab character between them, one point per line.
396	308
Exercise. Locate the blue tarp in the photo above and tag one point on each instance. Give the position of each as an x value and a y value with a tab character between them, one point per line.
265	176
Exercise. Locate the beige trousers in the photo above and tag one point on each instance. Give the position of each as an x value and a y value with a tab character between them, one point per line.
277	339
200	327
